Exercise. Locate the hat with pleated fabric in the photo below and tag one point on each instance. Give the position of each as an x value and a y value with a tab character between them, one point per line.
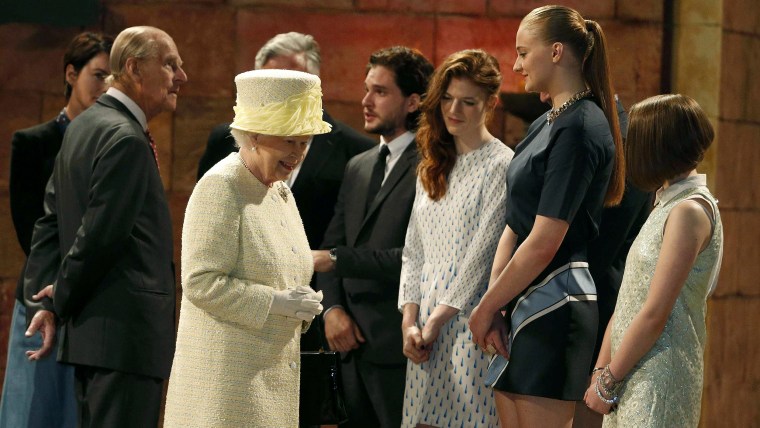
279	102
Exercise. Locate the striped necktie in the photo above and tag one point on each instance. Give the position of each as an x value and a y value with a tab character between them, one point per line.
153	147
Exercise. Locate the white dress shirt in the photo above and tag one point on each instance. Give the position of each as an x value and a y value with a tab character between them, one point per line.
396	147
130	105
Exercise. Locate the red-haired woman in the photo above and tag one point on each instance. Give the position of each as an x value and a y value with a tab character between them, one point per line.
458	213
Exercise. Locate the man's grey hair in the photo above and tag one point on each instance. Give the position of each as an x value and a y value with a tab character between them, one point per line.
293	43
134	42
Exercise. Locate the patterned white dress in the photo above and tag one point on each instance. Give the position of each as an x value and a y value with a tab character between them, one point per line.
448	254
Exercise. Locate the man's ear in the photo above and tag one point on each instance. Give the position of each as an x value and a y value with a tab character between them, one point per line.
557	50
413	103
132	68
71	74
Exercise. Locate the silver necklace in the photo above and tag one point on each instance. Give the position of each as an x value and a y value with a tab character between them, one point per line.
281	189
558	111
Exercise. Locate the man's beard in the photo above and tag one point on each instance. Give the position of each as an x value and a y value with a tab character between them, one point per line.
385	127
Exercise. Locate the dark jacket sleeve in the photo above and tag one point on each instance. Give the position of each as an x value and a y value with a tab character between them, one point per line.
368	263
25	197
335	235
639	205
44	257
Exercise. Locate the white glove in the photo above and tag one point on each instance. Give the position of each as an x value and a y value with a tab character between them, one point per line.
301	302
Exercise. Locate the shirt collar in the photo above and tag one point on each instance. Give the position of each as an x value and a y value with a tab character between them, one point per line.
130	105
665	195
398	144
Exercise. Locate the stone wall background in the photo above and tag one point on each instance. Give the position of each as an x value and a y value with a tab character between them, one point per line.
219	38
732	372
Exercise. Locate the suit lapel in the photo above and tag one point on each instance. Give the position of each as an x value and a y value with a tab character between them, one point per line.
359	185
405	163
319	152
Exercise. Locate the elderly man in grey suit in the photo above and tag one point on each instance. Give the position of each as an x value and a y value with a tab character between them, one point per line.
361	264
105	243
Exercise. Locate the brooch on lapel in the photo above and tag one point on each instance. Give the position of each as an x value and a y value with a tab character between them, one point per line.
283	189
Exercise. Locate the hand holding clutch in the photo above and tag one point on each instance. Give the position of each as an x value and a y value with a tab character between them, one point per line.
301	302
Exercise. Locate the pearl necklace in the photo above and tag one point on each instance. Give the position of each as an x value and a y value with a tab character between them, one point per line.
281	189
556	112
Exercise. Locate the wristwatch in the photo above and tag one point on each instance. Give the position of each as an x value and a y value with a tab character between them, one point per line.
333	255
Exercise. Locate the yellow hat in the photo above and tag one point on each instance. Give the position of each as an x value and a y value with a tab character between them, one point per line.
279	102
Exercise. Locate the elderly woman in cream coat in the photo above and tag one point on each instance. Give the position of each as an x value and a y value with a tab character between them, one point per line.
246	266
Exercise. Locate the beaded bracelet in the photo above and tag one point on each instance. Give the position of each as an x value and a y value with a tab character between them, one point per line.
596	369
608	382
612	401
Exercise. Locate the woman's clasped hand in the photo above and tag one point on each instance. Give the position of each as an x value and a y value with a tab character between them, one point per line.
301	302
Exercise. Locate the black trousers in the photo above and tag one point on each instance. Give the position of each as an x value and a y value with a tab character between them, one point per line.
109	398
374	393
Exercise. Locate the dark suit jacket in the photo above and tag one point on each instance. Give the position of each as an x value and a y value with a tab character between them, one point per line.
369	245
316	187
33	152
106	242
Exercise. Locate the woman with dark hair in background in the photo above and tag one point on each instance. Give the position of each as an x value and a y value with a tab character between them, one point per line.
458	212
651	363
40	392
563	173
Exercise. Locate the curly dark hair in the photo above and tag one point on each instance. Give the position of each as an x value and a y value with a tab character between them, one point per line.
411	70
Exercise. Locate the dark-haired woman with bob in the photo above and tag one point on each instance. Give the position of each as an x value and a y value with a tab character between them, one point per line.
456	218
651	364
562	175
40	391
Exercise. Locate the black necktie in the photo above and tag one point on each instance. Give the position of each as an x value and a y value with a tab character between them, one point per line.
378	174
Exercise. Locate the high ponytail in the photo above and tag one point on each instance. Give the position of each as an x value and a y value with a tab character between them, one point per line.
596	71
586	40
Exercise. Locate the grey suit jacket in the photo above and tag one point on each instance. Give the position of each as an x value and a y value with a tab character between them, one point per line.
106	243
369	242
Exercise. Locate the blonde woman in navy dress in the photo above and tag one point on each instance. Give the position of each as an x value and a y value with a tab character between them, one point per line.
458	213
563	173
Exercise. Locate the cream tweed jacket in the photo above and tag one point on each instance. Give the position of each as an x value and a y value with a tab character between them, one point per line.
237	365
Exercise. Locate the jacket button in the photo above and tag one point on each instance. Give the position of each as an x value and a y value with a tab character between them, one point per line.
293	365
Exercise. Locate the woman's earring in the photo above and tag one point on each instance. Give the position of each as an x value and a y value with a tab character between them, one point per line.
253	148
